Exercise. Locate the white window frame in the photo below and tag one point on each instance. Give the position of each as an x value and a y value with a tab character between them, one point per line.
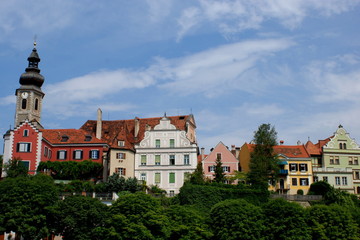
186	159
337	181
344	181
95	154
24	147
62	154
26	133
226	169
172	157
76	154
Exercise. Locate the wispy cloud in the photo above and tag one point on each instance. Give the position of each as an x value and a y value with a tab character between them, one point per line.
235	16
217	70
336	79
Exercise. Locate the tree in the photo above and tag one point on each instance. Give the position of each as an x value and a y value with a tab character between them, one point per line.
15	168
219	171
285	220
263	160
187	223
23	205
331	222
236	219
137	216
197	177
78	218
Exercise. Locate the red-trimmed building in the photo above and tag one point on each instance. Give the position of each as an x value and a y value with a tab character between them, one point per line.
30	142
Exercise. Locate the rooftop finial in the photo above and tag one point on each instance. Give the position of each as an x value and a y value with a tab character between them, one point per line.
35	41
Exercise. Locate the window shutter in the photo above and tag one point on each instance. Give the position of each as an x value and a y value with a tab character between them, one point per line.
81	154
90	154
296	167
124	155
116	170
229	169
306	167
18	147
58	154
74	154
65	153
124	171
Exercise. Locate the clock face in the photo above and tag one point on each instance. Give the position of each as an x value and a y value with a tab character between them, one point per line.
24	94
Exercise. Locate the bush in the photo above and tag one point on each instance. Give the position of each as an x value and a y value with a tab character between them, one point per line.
237	219
300	192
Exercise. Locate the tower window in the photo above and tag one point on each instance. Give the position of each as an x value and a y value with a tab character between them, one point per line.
26	133
36	104
23	104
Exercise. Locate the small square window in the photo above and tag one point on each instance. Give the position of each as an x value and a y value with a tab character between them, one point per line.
121	171
78	154
94	154
120	155
304	181
61	154
121	143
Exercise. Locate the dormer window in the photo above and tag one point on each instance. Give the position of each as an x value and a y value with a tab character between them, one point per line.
121	143
64	138
88	138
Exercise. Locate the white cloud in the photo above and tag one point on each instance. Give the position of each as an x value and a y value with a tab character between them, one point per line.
8	100
218	70
235	16
337	79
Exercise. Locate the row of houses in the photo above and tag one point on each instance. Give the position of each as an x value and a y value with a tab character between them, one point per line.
163	151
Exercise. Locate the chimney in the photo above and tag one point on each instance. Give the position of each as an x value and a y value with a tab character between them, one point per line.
281	142
99	124
202	153
136	127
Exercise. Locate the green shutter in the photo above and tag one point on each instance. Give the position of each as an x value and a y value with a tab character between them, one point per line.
143	159
157	177
157	159
171	177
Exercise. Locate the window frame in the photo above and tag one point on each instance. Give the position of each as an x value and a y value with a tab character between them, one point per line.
171	143
91	154
23	147
59	155
172	159
337	181
172	178
186	159
157	178
75	154
157	160
143	160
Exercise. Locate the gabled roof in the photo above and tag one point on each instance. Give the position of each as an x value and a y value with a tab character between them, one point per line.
113	131
72	136
290	151
220	148
316	149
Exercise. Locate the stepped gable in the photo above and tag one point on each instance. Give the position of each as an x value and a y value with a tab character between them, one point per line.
69	136
115	130
292	151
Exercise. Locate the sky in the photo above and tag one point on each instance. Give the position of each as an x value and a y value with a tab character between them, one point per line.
234	64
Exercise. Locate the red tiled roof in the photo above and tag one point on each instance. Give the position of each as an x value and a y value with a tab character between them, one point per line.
74	136
291	151
294	151
113	131
316	149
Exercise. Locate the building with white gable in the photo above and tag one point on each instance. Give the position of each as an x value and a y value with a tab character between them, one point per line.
166	155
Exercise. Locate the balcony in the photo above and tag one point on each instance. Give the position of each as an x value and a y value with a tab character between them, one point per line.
283	172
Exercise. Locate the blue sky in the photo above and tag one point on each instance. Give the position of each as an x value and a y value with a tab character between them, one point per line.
234	64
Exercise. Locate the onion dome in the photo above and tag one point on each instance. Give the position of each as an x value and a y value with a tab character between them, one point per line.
32	75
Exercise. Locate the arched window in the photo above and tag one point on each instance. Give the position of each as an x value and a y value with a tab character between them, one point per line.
23	104
344	145
36	104
340	145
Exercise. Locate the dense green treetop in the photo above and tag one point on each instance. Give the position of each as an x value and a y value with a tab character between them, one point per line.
263	161
23	205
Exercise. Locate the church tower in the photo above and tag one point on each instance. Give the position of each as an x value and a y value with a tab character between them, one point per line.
29	95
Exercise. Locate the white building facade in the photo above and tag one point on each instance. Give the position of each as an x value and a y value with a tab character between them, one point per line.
165	157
